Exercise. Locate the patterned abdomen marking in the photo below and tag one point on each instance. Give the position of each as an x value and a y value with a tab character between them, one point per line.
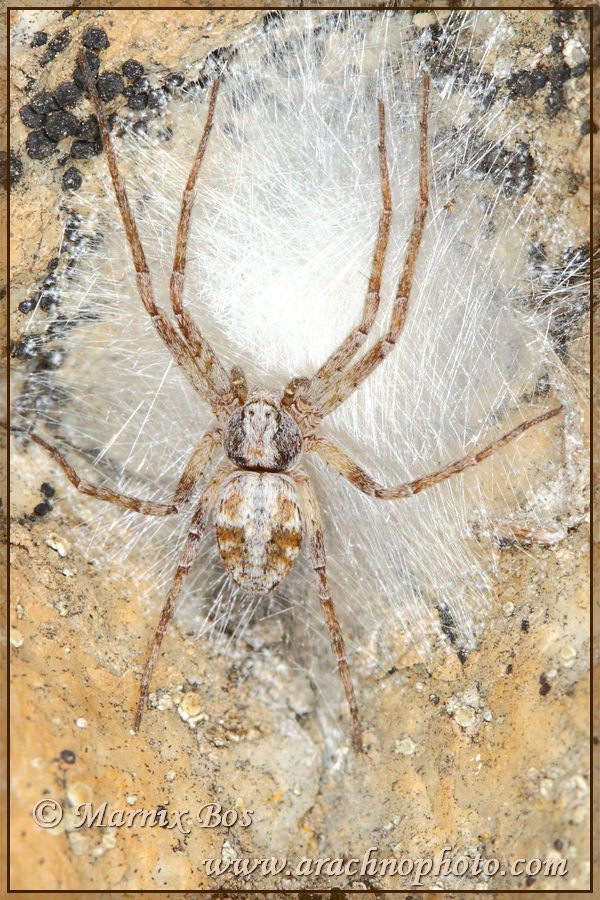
259	529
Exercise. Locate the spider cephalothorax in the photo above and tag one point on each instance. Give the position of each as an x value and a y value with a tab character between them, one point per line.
262	435
263	502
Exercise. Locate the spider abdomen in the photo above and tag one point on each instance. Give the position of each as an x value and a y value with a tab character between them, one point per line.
258	525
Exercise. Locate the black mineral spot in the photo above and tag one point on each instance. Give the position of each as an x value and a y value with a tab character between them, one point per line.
173	80
555	101
156	98
525	84
42	508
137	101
48	300
524	624
575	258
39	39
559	74
579	70
47	489
15	169
62	40
72	179
43	103
39	145
139	128
529	880
95	39
60	125
26	306
67	94
585	127
53	264
141	85
545	687
557	43
30	118
132	69
558	844
56	45
509	669
271	19
563	15
88	129
110	85
512	171
52	360
68	756
86	149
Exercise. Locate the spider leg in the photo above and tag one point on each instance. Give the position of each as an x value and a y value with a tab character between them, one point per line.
316	549
145	507
342	386
196	466
218	382
197	370
356	338
186	558
344	465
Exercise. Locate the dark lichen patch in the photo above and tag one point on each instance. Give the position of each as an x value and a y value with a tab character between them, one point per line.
39	145
526	84
513	171
110	85
27	348
60	125
56	45
30	118
88	129
86	149
95	39
43	103
67	94
39	39
132	69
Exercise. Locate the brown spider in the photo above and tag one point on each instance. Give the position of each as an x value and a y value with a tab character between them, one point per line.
261	498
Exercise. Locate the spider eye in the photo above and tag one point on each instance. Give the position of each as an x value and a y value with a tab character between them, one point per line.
251	413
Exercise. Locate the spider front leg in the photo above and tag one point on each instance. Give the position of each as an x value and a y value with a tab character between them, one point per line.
313	387
344	465
186	558
343	383
196	357
316	549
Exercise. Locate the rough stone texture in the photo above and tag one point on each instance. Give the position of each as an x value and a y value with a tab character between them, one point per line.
491	764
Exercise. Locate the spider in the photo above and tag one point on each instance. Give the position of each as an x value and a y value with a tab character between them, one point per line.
260	497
